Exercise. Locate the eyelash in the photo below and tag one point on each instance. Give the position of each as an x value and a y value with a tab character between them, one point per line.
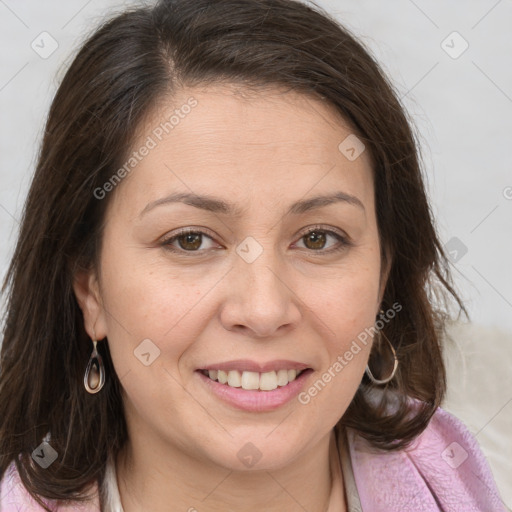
344	242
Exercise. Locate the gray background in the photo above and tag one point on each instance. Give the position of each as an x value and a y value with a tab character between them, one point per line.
461	105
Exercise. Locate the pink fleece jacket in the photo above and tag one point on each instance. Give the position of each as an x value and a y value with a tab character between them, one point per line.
443	471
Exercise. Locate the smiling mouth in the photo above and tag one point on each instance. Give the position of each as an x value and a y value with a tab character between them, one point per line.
266	381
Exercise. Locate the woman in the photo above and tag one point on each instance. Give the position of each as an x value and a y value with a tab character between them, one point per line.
228	292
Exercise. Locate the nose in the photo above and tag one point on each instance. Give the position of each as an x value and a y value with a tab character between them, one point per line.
259	301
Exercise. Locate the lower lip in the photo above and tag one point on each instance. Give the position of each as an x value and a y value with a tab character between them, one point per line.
254	400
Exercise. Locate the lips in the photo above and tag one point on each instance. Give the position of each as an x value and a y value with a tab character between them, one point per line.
254	400
249	375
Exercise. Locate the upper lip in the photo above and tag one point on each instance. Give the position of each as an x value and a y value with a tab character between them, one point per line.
254	366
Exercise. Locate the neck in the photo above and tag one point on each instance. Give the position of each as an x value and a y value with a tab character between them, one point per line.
162	477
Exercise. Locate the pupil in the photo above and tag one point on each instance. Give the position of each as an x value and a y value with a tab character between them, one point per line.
190	238
317	238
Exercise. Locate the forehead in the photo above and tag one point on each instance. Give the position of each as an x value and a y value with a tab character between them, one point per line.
254	146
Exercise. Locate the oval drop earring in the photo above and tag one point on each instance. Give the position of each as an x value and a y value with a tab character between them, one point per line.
94	377
393	366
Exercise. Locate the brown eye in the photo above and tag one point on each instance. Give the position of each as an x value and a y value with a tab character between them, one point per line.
189	241
315	240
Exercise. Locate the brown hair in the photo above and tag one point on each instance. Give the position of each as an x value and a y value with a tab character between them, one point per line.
117	77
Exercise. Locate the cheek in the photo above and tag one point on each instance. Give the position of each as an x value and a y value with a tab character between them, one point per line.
347	307
151	325
144	301
348	314
349	304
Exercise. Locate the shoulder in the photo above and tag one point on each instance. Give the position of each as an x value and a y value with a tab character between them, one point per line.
443	469
14	497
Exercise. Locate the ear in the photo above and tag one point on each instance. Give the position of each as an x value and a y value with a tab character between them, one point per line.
87	292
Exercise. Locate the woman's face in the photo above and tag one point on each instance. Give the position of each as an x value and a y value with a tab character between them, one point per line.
248	292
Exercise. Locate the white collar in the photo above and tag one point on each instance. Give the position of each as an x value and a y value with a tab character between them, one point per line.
110	490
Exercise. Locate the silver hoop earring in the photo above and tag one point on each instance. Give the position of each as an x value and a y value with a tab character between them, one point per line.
379	382
94	377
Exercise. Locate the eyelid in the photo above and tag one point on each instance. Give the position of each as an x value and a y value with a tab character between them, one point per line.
192	229
167	239
344	241
326	229
342	237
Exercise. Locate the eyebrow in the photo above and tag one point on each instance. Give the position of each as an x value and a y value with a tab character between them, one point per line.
217	205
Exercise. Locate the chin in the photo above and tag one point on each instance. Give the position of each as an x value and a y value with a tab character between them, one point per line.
256	451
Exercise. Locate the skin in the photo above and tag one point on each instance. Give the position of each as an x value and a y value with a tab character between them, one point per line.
296	301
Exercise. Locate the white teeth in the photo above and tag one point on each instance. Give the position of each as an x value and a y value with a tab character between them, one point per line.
292	375
266	381
282	377
250	380
234	379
